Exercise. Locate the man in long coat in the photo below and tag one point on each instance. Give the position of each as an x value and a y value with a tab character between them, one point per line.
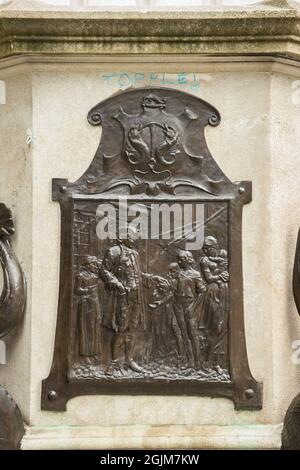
125	312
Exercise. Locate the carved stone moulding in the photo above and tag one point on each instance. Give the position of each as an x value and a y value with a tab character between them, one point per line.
151	284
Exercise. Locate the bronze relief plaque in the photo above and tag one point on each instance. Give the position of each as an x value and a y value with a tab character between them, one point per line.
151	284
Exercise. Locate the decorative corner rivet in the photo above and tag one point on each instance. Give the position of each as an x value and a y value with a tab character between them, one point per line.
242	190
249	393
52	395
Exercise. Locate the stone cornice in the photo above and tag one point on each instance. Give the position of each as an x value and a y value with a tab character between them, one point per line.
263	30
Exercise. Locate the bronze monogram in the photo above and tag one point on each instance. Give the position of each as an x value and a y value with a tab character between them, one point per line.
151	295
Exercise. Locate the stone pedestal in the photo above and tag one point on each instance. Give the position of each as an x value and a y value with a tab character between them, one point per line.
48	85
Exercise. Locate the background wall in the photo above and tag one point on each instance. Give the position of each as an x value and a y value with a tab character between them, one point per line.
257	140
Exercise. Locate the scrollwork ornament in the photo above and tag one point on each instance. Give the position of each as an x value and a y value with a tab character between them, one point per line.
214	120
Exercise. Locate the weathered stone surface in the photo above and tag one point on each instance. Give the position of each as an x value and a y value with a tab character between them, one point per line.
48	99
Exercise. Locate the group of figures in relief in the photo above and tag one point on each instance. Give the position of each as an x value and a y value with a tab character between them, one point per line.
187	307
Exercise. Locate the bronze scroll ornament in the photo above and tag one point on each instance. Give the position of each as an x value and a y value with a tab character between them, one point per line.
12	308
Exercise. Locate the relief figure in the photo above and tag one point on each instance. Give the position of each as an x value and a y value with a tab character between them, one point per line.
187	304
